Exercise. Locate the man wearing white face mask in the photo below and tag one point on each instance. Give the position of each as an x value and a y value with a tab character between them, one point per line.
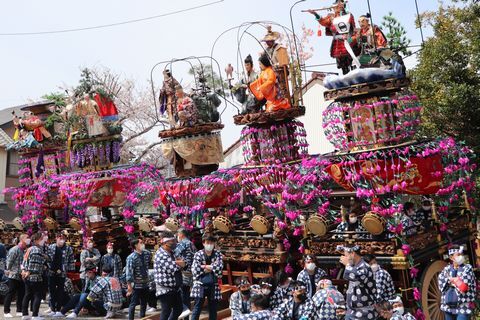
206	270
113	260
168	277
352	225
383	279
458	286
136	272
60	261
13	272
399	310
425	212
89	258
311	274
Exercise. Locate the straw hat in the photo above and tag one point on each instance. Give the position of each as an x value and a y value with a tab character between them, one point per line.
271	35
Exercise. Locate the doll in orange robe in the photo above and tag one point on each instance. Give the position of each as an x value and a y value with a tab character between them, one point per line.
266	87
371	36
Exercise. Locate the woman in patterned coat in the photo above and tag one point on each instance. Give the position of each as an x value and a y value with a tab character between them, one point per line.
206	270
458	287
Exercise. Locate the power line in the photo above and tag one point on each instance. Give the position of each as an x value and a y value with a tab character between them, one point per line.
112	24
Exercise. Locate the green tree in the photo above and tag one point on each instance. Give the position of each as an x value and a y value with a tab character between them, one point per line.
396	34
447	77
212	79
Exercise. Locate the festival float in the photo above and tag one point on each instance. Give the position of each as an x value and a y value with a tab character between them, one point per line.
250	233
70	172
381	163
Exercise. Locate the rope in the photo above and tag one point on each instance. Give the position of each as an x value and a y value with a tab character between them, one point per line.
111	24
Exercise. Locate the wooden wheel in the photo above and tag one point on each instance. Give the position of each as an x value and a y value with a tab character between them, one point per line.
431	294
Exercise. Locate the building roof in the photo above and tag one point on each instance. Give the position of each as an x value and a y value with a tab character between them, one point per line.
234	146
4	139
317	77
6	114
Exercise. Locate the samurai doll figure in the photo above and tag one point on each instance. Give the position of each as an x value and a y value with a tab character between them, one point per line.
279	59
31	122
370	36
88	110
241	91
266	87
168	99
341	26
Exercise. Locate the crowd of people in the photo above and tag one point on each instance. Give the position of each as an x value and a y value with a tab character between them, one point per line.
183	277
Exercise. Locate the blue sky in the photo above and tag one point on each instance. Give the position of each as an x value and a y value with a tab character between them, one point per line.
34	65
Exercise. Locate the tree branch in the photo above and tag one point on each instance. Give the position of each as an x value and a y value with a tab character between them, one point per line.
148	148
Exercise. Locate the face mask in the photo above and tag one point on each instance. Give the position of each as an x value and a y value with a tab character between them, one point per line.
245	292
90	246
110	250
426	208
310	266
374	267
28	241
399	311
460	260
266	291
353	220
142	247
209	247
60	242
302	297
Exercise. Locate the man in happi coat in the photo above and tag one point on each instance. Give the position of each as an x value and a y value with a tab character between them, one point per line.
206	270
362	291
311	274
458	286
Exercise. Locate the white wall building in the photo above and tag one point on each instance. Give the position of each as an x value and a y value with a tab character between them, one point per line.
315	104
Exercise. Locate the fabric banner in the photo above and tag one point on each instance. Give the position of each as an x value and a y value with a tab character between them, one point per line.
108	192
418	176
199	150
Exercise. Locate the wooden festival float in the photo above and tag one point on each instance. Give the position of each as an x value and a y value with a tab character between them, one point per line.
72	180
372	123
251	233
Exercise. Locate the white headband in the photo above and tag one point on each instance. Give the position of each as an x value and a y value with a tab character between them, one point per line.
167	239
453	251
395	300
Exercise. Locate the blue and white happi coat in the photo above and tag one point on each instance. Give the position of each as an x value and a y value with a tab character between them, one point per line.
465	272
257	315
361	292
326	302
305	278
306	311
239	306
165	267
385	286
197	272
